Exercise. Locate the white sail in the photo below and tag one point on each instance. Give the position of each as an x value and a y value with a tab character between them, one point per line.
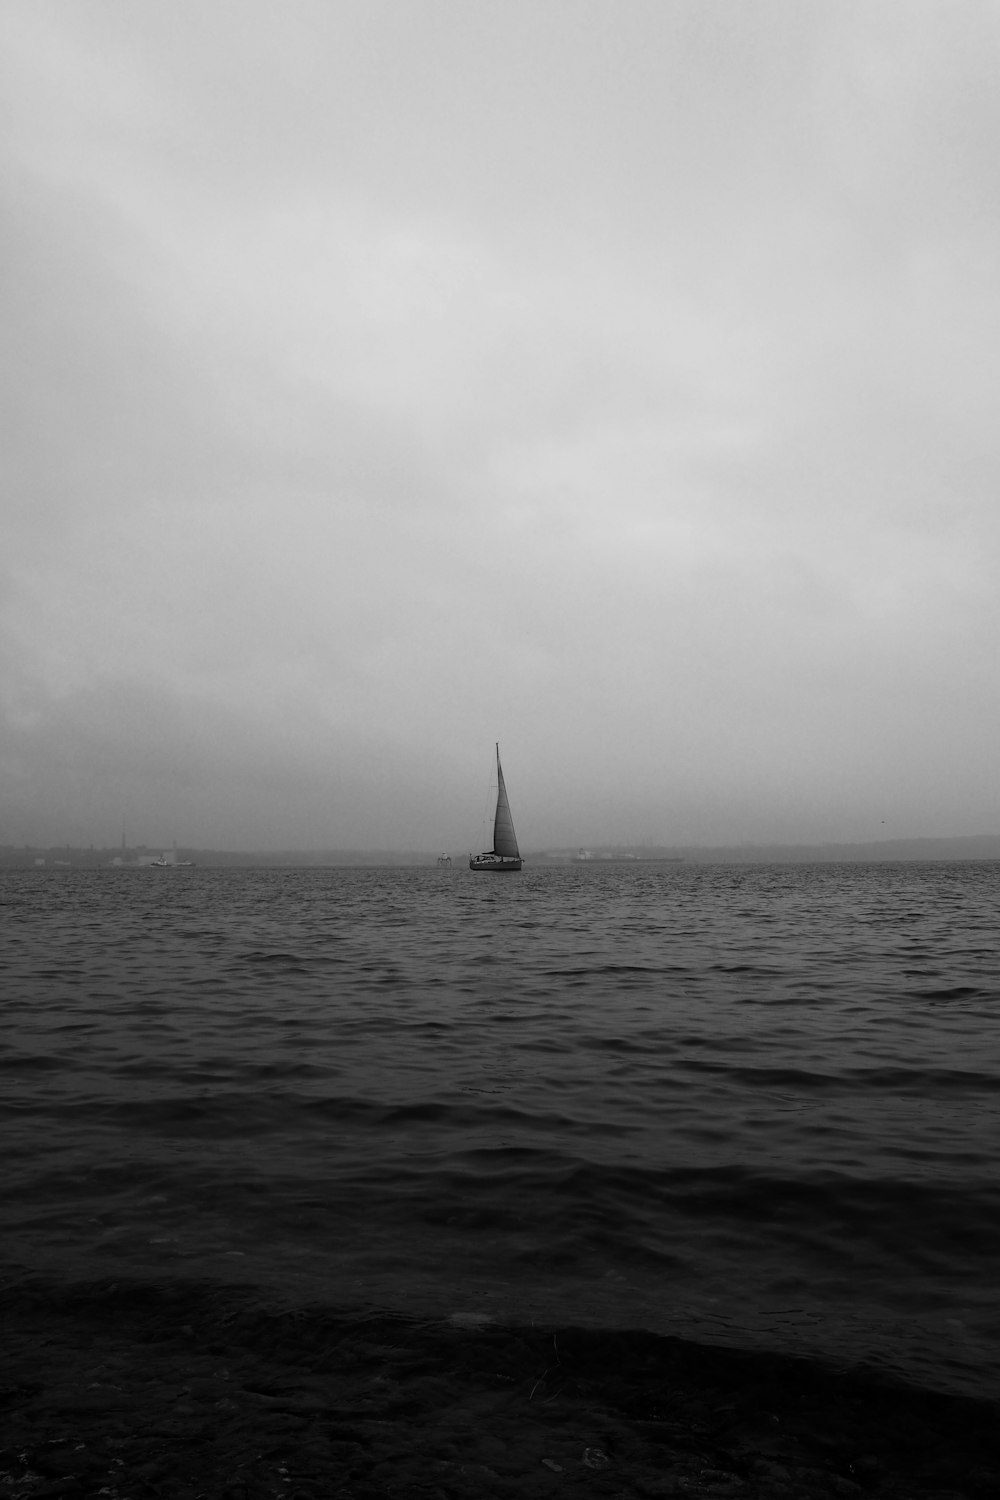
504	837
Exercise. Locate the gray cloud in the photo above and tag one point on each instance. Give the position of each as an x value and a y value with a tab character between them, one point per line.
378	381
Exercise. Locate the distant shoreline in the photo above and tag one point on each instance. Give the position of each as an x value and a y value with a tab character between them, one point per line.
914	850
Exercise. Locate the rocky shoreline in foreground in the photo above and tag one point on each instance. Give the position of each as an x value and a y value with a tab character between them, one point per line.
128	1391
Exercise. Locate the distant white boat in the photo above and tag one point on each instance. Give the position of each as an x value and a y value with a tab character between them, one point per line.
170	862
505	857
444	861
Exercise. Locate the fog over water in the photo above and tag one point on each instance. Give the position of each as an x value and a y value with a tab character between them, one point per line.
613	380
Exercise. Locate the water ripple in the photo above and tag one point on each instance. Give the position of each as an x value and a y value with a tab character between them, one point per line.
676	1096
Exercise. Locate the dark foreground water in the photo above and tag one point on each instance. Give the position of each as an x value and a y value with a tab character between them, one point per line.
755	1105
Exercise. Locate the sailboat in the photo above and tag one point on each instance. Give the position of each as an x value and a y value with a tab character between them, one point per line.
504	858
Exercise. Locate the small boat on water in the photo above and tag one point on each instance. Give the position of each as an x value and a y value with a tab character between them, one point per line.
169	861
505	857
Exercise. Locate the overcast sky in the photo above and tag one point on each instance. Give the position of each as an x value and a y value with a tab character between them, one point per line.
616	380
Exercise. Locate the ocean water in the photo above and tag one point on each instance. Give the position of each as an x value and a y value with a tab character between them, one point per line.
751	1105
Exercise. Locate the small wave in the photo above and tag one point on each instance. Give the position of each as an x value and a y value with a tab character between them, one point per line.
954	992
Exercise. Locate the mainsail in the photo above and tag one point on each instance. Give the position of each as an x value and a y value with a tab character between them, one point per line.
504	837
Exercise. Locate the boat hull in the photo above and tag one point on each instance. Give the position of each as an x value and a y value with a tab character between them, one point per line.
494	864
